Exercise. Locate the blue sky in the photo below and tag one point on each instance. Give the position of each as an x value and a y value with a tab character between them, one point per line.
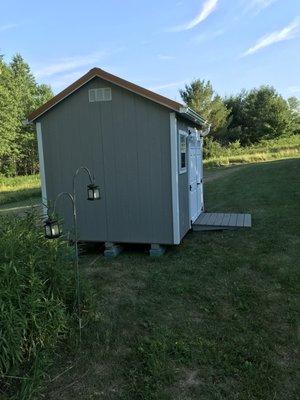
160	45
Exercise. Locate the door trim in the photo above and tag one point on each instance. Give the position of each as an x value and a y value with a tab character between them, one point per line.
194	138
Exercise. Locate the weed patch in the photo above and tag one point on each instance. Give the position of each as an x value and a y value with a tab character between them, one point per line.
37	297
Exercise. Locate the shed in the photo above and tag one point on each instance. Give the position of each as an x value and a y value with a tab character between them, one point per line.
144	150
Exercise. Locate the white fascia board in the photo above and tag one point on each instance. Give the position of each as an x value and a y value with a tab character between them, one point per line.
174	177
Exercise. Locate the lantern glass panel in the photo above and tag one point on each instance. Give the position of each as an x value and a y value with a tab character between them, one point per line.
52	229
47	231
96	193
90	194
55	229
93	192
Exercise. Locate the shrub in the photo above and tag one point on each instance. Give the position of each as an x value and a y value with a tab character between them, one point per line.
37	294
211	148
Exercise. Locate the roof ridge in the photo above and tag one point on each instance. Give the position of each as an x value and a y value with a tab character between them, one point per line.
98	72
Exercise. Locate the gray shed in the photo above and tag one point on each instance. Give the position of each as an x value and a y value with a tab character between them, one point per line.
145	151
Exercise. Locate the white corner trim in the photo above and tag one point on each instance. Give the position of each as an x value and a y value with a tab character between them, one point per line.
174	175
42	165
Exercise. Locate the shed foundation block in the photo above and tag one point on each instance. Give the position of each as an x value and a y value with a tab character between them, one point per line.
112	250
157	250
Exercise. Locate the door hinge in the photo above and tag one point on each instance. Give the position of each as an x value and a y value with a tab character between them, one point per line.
190	188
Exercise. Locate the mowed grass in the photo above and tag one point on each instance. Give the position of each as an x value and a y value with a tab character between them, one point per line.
19	188
214	318
266	150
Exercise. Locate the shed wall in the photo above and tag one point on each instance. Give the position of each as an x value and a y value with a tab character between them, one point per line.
126	144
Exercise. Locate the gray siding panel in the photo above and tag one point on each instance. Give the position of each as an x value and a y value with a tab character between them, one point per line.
69	142
183	183
126	144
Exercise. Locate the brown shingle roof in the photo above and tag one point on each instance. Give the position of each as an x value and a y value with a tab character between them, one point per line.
97	72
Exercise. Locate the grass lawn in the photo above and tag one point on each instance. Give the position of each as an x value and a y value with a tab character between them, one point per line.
213	319
19	188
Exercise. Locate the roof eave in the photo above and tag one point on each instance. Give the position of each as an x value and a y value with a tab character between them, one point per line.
193	116
97	72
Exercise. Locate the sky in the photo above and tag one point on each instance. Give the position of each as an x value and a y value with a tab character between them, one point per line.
161	45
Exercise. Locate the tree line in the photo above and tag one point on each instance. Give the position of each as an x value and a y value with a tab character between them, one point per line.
245	118
19	95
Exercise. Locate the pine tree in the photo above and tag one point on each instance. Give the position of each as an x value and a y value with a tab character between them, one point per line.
200	96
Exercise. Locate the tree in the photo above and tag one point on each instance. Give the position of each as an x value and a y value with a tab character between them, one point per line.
200	96
19	95
8	119
258	114
294	105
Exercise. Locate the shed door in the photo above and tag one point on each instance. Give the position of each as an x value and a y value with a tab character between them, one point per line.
200	173
195	178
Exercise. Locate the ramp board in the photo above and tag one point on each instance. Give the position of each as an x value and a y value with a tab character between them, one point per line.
218	221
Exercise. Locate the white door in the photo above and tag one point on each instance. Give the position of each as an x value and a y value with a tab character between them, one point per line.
200	174
195	178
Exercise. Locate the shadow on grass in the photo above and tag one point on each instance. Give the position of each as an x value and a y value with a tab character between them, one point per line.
14	196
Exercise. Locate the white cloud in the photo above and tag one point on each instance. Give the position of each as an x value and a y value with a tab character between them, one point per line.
294	89
208	7
65	80
70	63
203	37
7	27
167	85
165	57
260	4
256	6
287	33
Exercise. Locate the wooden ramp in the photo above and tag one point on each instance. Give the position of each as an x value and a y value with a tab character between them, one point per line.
216	221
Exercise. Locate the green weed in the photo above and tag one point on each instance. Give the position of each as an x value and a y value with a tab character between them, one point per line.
37	297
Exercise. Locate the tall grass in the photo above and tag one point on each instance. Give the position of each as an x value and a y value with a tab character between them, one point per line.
37	300
266	150
18	188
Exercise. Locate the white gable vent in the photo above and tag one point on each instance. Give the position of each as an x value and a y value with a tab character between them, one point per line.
100	94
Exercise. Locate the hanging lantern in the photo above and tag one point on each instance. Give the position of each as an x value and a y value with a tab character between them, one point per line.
52	229
93	192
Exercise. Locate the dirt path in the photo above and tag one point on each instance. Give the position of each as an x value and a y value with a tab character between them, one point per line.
19	207
215	173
